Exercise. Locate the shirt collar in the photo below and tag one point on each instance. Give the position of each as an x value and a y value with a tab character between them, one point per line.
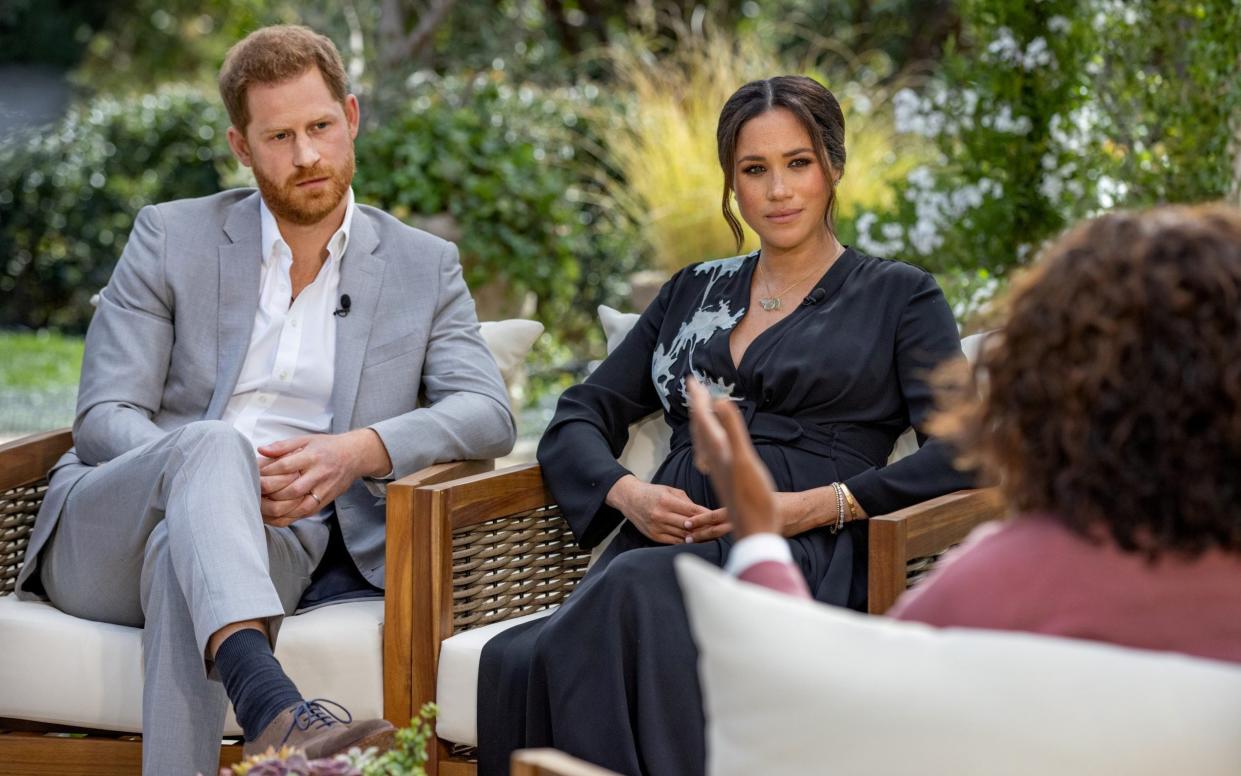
272	241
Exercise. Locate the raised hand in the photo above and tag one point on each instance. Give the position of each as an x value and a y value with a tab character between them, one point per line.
723	451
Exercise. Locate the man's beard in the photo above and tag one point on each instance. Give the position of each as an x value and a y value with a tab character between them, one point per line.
306	208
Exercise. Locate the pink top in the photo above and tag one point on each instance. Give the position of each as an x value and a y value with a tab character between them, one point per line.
1033	574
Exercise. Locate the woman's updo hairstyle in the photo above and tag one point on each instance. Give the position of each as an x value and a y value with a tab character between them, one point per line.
813	105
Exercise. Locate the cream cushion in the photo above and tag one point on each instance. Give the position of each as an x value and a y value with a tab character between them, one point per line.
794	687
649	438
456	692
64	670
509	342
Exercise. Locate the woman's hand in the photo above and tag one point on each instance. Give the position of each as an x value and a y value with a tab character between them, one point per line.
658	511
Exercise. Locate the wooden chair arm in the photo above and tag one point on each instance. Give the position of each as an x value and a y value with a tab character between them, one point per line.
921	530
27	459
552	762
443	472
482	497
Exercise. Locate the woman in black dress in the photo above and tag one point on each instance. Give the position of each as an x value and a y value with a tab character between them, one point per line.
826	352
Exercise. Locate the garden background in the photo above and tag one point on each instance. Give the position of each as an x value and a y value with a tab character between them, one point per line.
568	145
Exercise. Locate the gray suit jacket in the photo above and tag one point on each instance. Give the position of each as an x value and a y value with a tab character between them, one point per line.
166	346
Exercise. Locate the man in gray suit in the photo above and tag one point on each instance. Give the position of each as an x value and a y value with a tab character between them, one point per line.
252	375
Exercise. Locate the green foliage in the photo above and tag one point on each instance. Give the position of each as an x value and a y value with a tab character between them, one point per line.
68	197
508	165
147	43
1045	113
1172	103
409	756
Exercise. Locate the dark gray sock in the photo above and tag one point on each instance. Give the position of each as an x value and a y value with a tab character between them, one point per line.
254	680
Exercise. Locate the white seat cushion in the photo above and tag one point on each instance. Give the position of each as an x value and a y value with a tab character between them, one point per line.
456	690
792	687
59	669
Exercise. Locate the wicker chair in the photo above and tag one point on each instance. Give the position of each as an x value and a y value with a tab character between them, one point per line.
27	748
462	552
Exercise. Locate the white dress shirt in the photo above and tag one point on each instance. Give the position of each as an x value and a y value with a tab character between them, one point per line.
285	386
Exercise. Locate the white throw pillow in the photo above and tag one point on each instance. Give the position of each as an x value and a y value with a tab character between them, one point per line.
509	342
796	687
651	437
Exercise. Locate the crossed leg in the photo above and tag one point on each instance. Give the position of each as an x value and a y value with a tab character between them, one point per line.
168	537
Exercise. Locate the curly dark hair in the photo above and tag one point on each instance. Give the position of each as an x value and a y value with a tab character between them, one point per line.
1111	398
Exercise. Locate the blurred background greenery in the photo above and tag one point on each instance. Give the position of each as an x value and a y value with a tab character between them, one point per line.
568	145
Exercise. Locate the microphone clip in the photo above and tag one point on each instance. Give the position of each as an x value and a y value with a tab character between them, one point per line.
814	297
345	304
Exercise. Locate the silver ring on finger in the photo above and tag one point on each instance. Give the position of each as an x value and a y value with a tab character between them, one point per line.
318	500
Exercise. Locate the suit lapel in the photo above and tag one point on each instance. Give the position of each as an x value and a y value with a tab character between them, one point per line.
361	275
240	274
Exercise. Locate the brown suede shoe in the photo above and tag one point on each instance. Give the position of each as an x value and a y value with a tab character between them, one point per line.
309	726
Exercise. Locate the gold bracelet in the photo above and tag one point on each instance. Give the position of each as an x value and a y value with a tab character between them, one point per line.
851	501
840	506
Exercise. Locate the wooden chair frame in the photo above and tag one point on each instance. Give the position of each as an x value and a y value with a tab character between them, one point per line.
26	747
458	513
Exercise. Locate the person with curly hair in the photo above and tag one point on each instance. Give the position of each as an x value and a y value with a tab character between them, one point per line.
1110	417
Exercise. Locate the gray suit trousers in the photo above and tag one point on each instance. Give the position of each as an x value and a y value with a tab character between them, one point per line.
168	537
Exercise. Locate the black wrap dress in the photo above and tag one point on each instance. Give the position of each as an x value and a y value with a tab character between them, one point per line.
611	676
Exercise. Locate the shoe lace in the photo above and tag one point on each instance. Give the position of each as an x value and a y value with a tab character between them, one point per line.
314	714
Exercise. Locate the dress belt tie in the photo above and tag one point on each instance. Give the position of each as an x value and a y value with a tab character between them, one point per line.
821	439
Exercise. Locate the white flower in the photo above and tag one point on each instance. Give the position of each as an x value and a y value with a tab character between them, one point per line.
1005	121
1037	54
1004	48
969	102
1111	191
905	110
1050	187
1059	24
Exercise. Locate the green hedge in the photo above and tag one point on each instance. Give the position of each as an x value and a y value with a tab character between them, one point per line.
508	164
68	196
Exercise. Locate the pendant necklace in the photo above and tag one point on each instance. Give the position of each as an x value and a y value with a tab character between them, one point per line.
771	302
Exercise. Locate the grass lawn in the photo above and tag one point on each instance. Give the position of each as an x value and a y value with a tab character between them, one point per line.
39	361
38	381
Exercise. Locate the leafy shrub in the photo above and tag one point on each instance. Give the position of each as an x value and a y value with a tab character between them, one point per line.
509	165
1048	112
68	197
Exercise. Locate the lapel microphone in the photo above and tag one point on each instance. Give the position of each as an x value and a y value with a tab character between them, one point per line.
815	296
345	304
